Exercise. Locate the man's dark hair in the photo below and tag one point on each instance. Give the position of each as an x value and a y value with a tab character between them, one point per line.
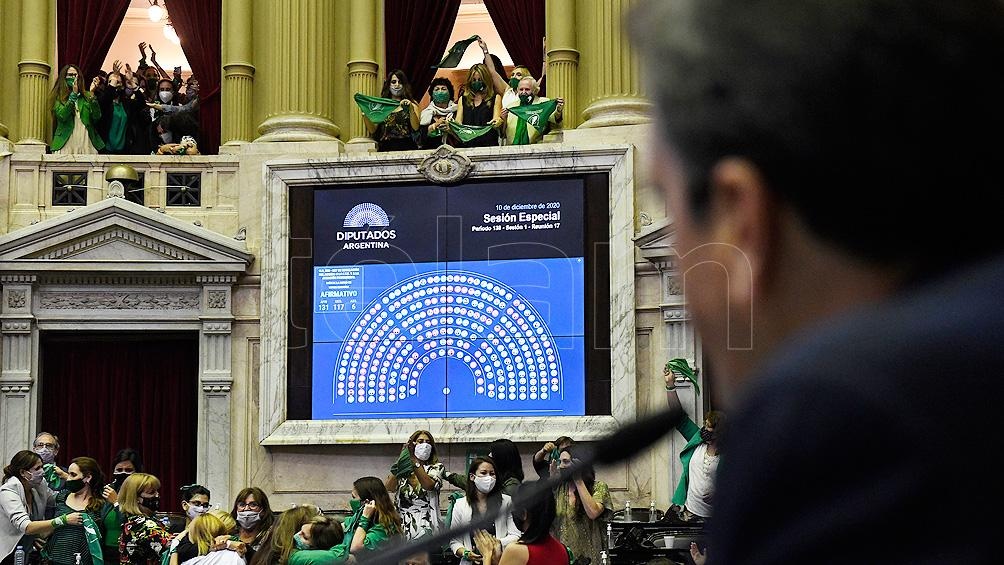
867	117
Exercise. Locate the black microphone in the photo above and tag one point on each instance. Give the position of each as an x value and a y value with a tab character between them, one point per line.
623	444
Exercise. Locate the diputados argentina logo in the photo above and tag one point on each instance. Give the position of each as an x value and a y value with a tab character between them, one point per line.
362	219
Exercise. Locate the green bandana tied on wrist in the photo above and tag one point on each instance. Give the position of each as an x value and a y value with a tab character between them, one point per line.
376	109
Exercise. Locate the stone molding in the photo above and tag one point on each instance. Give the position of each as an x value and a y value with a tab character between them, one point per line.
118	300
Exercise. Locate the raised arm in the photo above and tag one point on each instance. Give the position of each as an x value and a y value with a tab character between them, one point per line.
498	82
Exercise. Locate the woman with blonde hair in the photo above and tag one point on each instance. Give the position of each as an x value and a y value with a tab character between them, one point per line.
480	106
23	498
208	532
143	538
416	478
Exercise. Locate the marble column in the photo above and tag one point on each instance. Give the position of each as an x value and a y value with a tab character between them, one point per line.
563	58
34	68
612	92
362	65
19	351
299	66
216	378
238	72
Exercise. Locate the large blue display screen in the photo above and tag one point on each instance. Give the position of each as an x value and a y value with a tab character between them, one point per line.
449	301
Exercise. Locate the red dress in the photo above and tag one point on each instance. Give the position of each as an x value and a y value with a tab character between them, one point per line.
547	552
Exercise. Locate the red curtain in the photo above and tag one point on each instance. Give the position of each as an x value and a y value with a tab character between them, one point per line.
101	393
417	32
85	30
199	26
520	24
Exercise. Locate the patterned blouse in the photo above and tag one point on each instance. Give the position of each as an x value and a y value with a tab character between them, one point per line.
143	538
583	536
397	125
420	507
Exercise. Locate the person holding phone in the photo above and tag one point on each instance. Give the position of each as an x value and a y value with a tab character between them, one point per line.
545	461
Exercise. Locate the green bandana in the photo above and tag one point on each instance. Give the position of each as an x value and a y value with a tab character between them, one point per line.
453	56
403	467
93	535
681	367
376	109
535	115
467	133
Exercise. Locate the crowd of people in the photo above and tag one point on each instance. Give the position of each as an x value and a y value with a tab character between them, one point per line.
486	110
125	112
78	516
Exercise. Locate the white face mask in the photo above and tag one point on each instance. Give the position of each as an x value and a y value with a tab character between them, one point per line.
423	451
47	454
196	511
485	483
35	477
396	90
166	96
248	519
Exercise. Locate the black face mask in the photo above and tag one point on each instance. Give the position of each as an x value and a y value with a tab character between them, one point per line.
151	503
707	435
151	84
120	478
74	485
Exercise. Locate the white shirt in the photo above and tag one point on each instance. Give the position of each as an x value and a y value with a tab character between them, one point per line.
505	528
701	484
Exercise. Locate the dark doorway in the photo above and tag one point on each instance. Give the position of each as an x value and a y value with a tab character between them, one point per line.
104	391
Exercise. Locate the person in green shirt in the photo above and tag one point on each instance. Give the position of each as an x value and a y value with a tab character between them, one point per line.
75	114
373	522
693	495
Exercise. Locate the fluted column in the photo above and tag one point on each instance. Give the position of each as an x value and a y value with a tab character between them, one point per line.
33	68
362	64
299	65
613	92
563	58
238	72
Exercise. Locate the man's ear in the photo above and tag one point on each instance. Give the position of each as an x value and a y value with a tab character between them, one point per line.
741	208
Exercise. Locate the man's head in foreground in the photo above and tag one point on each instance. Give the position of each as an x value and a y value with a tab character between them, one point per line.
818	155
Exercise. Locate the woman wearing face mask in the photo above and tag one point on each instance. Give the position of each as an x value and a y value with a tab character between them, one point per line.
484	497
194	502
78	496
693	495
126	462
372	523
433	121
254	518
294	531
536	546
418	490
400	130
581	507
208	532
23	497
75	114
143	538
480	106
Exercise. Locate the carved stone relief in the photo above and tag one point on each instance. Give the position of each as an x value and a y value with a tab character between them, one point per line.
119	300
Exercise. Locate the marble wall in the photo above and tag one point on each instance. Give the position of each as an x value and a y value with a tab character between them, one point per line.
317	461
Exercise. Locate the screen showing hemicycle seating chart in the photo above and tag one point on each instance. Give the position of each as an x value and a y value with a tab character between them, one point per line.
463	301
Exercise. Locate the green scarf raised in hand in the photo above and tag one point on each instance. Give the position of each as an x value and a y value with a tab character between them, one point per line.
453	56
376	109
